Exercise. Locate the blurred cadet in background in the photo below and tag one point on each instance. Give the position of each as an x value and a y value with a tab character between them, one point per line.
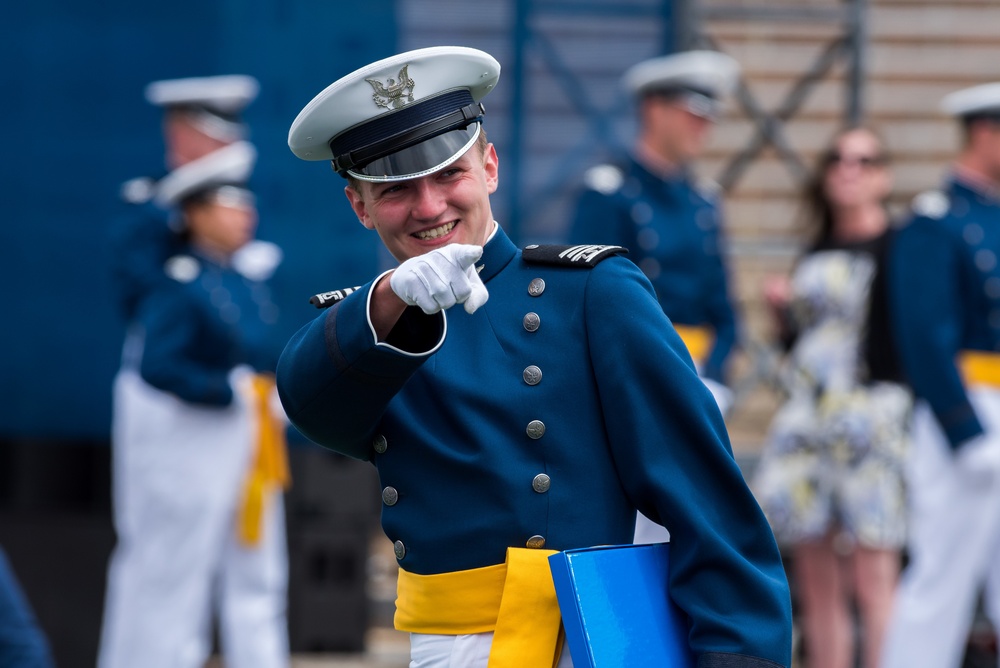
649	202
945	302
22	643
831	474
198	437
200	115
534	418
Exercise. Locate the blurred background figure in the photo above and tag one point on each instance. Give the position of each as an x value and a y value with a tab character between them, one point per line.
200	115
831	473
650	203
199	456
22	643
945	300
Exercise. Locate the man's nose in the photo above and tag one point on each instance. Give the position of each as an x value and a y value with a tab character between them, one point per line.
428	202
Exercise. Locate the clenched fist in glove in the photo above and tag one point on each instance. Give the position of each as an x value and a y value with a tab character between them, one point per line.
438	280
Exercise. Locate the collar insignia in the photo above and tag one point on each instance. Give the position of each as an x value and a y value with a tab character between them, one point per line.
392	93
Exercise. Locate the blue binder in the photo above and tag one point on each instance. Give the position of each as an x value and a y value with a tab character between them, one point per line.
616	609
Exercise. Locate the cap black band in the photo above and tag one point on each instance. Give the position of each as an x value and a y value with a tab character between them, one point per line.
674	90
204	108
209	192
992	115
410	125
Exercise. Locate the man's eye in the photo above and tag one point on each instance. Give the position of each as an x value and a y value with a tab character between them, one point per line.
390	190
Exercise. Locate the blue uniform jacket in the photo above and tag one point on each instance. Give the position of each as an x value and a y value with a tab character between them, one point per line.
140	241
201	321
673	232
613	417
944	283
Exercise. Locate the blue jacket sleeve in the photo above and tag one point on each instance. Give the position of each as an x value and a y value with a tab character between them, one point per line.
925	297
335	361
140	243
673	454
173	355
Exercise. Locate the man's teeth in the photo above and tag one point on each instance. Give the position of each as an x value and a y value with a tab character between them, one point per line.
436	232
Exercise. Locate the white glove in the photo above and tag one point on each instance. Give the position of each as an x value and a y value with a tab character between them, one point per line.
980	457
241	381
441	278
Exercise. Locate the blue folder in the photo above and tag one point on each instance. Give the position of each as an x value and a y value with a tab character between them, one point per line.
616	608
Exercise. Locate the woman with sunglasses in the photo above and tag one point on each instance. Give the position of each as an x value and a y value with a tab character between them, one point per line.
830	477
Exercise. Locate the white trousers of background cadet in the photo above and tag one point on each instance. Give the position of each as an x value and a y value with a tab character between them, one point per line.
463	651
954	547
179	471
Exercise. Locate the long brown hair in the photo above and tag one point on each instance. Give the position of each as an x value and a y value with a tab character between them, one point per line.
817	210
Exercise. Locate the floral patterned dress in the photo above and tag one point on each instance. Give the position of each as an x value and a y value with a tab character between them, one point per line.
834	455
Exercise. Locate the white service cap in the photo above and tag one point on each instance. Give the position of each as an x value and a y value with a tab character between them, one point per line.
226	168
398	118
982	100
215	103
704	76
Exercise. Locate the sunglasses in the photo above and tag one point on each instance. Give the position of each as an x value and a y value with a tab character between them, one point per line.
864	161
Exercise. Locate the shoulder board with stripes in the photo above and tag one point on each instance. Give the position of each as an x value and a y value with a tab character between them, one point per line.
327	299
584	256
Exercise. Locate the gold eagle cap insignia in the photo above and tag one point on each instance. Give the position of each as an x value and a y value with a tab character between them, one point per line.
394	93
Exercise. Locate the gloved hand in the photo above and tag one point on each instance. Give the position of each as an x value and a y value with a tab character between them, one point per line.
241	380
438	280
980	457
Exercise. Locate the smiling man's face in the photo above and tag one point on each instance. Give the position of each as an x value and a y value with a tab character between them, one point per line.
418	215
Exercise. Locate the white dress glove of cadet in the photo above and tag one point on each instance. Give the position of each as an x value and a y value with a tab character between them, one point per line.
438	280
980	457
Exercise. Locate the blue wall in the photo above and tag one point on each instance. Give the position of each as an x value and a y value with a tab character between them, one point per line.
74	125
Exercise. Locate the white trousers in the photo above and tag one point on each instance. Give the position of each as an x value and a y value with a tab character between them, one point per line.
954	548
179	470
464	651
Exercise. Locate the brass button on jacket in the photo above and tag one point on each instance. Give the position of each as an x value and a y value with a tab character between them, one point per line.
536	542
541	483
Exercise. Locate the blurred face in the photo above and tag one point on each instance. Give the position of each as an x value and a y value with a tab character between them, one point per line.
221	226
451	206
676	134
856	171
987	142
184	142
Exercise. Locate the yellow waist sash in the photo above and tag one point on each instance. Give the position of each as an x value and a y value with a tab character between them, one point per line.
979	367
698	340
270	463
516	600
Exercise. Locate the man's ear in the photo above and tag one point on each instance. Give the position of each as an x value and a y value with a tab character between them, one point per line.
359	207
491	165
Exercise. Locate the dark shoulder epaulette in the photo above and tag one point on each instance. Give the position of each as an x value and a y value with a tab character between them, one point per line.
327	299
584	255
